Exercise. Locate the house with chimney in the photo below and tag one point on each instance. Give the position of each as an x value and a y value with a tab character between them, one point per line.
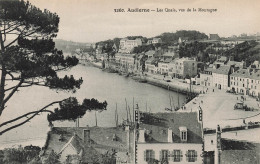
90	144
169	138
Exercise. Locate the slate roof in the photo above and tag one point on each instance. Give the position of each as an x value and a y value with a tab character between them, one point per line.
169	54
150	53
222	70
101	140
239	152
157	124
245	73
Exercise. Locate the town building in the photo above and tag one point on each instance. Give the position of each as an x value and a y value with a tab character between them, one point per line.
127	46
246	81
219	148
154	41
182	68
163	66
89	144
169	138
125	61
151	65
206	77
214	37
221	76
150	53
221	61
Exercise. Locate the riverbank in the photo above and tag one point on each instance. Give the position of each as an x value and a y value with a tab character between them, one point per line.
173	85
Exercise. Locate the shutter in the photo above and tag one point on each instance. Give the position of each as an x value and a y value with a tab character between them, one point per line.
173	155
161	155
153	154
169	155
180	155
145	155
187	156
195	152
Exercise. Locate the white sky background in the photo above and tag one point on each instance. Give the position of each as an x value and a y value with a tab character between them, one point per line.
95	20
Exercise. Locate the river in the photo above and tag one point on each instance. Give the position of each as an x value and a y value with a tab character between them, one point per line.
97	84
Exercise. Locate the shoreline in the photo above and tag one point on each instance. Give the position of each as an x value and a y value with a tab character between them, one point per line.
174	85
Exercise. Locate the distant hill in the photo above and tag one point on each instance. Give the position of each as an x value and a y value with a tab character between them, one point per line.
170	37
70	46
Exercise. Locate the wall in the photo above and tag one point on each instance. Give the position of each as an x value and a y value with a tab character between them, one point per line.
157	147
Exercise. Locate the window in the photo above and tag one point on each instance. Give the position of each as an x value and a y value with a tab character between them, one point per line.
183	133
165	155
148	155
184	136
177	155
191	155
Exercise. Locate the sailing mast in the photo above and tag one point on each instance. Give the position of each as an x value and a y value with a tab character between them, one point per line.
116	116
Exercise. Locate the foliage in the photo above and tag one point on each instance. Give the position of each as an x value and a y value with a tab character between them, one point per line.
247	51
143	48
168	37
31	57
70	109
21	155
51	158
109	157
192	49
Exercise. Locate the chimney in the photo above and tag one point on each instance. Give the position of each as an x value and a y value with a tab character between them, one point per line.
169	135
86	136
141	138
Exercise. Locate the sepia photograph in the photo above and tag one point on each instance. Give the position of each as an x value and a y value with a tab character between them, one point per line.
129	82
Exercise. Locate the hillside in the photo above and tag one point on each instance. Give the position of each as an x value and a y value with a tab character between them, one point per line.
248	51
70	46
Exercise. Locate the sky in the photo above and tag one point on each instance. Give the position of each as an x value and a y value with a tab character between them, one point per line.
95	20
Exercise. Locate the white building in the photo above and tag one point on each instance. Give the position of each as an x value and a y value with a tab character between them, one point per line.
169	138
246	81
163	66
221	77
126	45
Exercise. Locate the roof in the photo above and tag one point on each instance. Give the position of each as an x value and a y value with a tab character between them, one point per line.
222	70
76	142
239	152
150	53
235	63
156	38
167	60
151	60
157	125
247	73
170	54
101	139
222	59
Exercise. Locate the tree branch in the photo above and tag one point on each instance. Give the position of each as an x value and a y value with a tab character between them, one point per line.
28	119
20	117
13	91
